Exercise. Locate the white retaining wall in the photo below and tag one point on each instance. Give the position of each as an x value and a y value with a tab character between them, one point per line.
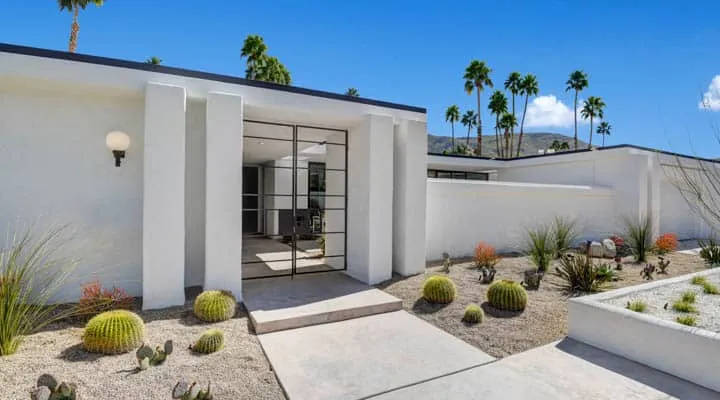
462	213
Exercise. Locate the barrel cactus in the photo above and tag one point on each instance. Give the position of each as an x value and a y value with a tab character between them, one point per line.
114	332
473	314
215	305
507	295
439	289
210	341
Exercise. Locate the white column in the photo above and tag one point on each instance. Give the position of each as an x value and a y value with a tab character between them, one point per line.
370	180
164	197
410	197
223	193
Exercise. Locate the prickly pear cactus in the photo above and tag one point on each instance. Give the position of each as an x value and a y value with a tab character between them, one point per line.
507	295
210	341
48	388
439	289
114	332
215	305
183	391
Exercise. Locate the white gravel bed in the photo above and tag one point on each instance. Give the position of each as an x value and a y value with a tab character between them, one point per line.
239	371
708	306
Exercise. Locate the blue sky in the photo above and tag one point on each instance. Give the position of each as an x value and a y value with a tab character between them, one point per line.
651	61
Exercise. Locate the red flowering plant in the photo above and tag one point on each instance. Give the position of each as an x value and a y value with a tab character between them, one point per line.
666	243
96	299
485	255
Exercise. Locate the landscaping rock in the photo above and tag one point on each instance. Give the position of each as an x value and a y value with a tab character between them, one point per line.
596	249
609	249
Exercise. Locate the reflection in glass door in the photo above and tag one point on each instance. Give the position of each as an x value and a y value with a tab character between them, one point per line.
294	199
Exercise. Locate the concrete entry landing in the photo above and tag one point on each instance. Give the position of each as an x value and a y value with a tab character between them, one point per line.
276	304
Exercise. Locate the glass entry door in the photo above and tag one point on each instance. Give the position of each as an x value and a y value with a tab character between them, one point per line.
294	199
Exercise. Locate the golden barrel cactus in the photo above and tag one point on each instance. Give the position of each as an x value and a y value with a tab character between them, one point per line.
473	314
439	289
210	341
114	332
507	295
215	305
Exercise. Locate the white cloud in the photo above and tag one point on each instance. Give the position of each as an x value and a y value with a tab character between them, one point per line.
549	112
711	98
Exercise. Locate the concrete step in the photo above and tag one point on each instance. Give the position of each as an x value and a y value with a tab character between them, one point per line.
277	304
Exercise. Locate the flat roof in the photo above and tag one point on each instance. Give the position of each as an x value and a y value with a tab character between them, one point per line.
114	62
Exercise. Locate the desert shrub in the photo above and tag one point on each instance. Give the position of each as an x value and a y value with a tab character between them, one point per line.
211	341
485	256
606	273
507	295
439	289
709	288
114	332
639	237
710	251
96	299
473	314
215	305
540	247
580	274
666	243
637	306
564	234
698	280
689	296
31	274
683	306
688	320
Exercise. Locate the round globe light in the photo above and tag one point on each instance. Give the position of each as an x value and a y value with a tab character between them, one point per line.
117	141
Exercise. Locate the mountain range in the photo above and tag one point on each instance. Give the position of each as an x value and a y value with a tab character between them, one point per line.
532	142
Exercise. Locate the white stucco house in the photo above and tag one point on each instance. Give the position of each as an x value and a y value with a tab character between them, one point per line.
174	178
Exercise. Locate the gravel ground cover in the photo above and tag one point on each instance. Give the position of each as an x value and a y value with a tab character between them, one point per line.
708	305
505	333
239	371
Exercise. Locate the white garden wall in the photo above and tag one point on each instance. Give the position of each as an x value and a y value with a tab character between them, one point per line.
462	213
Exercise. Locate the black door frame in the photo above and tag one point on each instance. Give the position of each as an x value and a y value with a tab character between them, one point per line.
294	195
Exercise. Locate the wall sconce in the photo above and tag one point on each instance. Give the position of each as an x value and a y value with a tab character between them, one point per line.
117	142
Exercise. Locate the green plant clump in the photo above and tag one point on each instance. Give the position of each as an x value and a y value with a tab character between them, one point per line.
540	247
698	280
564	234
709	288
579	274
211	341
685	307
507	295
710	251
215	305
439	289
689	296
639	237
473	314
637	306
48	388
688	320
114	332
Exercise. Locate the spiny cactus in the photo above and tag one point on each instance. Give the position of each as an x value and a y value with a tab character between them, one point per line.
215	305
507	295
146	356
439	289
473	314
48	388
114	332
183	391
210	341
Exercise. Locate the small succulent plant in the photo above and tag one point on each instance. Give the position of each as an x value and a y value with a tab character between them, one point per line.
683	306
532	279
48	388
473	314
447	263
185	391
647	272
215	305
146	356
709	288
663	265
637	306
688	320
698	280
487	274
210	341
439	289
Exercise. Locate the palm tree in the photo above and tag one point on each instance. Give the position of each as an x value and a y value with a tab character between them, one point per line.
254	49
604	130
477	77
469	119
508	122
592	108
153	60
558	146
352	92
74	6
498	106
452	115
512	84
578	81
274	71
528	87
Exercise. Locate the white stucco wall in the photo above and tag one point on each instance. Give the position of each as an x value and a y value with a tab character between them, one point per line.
462	213
55	169
195	193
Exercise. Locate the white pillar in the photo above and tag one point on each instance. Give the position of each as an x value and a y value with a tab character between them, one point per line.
370	180
164	197
410	197
223	193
